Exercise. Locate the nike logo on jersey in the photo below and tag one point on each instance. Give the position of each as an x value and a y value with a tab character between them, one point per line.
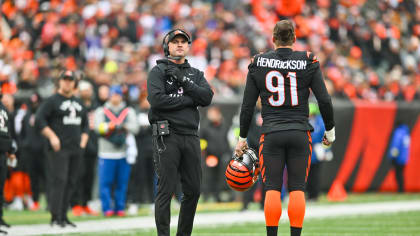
279	64
169	82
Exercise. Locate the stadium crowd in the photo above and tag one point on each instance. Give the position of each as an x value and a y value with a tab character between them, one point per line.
367	49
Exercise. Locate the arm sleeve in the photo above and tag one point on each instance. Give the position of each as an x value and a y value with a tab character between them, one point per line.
131	124
157	97
42	114
248	103
395	144
201	93
322	96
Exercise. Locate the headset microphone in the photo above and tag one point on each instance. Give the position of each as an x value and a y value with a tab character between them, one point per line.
174	58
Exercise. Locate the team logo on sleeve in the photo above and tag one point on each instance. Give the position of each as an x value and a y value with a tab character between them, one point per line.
73	118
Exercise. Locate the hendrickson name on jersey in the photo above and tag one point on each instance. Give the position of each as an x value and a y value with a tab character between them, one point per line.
279	64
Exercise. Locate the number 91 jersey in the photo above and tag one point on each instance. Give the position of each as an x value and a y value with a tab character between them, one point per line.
282	78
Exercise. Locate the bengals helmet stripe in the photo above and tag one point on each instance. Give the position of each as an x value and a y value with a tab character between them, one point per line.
242	172
232	176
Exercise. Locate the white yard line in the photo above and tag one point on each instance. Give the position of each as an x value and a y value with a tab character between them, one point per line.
203	219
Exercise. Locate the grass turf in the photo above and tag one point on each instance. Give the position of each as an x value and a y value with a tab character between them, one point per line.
402	223
43	217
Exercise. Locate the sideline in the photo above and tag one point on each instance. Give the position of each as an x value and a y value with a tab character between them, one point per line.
206	219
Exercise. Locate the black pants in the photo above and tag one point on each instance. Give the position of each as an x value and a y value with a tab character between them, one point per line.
35	163
399	175
3	176
312	187
134	184
141	185
248	195
83	192
212	181
182	157
147	176
291	148
63	167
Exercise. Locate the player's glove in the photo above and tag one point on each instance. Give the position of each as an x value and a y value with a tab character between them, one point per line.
329	137
175	73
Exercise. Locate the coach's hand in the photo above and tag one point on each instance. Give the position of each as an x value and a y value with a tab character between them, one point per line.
329	137
175	73
55	143
241	146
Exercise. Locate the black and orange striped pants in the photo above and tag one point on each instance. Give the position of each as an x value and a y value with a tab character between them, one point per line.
287	148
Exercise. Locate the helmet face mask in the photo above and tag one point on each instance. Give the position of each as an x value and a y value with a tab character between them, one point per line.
242	172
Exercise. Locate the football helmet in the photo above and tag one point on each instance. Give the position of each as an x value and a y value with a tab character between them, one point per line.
242	172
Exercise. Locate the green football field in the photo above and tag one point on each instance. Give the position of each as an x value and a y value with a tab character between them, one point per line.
403	223
43	217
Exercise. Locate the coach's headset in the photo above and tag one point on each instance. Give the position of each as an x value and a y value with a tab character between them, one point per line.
169	36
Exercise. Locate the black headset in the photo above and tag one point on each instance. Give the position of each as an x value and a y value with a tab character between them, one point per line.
165	41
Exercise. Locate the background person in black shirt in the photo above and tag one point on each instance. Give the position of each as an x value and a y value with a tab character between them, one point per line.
7	151
175	89
32	150
83	193
283	79
62	119
214	132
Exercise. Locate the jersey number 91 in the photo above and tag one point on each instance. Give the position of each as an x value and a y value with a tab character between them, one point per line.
279	89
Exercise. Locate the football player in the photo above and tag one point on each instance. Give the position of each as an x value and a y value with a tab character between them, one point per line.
283	79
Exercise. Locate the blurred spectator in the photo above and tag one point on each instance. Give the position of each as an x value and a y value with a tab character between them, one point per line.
62	119
87	170
141	187
111	40
32	142
319	153
253	140
114	122
213	132
7	151
399	152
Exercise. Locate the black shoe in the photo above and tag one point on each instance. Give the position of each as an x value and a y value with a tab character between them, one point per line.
68	222
4	223
3	232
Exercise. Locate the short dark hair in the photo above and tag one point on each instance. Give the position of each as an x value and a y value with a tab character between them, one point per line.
284	33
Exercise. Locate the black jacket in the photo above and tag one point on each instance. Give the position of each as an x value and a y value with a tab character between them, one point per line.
5	129
30	137
216	137
175	103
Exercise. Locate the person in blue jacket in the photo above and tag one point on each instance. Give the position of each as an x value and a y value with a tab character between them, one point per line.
319	152
399	152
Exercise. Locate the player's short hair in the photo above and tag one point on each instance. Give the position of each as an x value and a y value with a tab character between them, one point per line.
284	33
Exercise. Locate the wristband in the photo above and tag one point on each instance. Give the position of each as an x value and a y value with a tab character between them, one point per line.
242	139
330	135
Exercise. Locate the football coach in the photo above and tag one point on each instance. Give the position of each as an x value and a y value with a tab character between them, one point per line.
175	90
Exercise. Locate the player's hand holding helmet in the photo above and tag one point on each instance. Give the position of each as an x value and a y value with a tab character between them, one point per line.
242	171
329	137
